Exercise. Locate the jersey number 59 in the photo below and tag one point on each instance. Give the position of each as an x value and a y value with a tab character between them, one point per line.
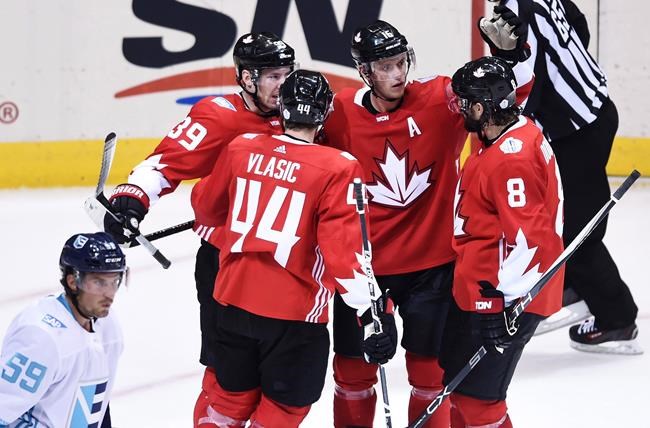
33	374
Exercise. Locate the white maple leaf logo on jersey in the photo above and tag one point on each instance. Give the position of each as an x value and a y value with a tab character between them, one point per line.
398	187
514	278
359	281
459	219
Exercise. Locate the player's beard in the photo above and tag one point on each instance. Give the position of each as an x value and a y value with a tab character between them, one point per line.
473	125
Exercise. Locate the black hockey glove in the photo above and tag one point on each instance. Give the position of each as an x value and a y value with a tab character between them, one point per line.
506	35
379	347
496	331
130	204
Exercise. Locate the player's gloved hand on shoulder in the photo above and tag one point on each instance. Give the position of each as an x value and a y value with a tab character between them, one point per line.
496	331
130	204
379	347
506	35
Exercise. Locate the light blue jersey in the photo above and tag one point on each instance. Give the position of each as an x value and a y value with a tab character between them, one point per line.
54	373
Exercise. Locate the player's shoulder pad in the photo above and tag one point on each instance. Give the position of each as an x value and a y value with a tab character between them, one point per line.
426	78
250	135
349	96
348	156
339	160
333	159
224	103
242	140
426	87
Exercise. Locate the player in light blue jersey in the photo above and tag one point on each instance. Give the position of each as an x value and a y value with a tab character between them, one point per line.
59	356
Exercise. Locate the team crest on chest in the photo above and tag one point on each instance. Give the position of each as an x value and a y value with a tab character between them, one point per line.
88	404
398	184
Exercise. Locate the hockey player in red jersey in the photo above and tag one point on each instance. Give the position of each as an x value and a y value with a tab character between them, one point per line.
508	221
291	238
190	149
408	143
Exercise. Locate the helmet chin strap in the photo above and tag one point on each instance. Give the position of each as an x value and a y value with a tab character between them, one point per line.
256	100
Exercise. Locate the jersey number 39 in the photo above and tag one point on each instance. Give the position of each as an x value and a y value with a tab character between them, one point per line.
192	135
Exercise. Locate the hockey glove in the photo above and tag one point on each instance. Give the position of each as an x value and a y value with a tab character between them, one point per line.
506	35
130	204
496	331
379	347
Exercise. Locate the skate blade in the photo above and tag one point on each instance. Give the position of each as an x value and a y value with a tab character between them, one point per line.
569	315
619	347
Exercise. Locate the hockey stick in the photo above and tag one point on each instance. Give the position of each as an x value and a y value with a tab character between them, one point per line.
523	303
104	207
367	255
171	230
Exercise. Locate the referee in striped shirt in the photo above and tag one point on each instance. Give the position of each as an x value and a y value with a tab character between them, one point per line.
570	103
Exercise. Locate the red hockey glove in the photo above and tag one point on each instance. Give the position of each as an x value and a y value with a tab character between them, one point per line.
130	204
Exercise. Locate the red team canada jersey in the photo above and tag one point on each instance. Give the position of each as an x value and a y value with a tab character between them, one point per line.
191	148
291	234
410	161
508	220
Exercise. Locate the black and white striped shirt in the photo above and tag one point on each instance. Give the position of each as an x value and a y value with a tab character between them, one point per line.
570	87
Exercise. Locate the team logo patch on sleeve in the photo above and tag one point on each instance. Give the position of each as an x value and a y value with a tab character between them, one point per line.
511	145
222	102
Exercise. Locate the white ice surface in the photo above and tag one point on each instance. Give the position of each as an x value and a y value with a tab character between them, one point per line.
159	375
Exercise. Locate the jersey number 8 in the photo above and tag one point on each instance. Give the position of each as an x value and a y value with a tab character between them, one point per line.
516	195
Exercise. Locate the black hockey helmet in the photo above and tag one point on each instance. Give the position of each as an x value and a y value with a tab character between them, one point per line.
488	80
305	98
90	252
255	51
377	41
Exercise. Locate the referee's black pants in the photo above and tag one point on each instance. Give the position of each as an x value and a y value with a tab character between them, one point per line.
591	271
